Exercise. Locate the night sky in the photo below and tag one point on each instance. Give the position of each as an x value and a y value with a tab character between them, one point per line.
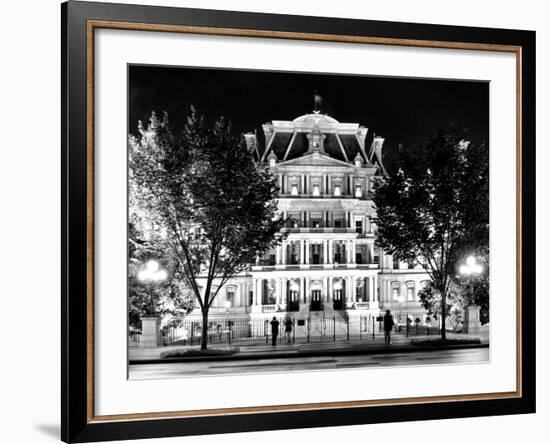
402	110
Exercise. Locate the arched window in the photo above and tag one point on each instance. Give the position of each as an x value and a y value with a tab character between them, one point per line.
230	296
396	291
411	291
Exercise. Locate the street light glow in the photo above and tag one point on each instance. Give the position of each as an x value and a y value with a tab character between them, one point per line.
470	267
152	272
152	265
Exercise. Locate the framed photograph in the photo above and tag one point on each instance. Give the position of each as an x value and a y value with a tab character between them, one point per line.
275	222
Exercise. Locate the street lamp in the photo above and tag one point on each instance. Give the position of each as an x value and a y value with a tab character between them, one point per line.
152	273
469	270
471	267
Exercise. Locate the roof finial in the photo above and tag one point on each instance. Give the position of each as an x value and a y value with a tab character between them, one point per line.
317	101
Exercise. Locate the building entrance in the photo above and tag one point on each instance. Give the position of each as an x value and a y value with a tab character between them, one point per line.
315	300
292	301
338	300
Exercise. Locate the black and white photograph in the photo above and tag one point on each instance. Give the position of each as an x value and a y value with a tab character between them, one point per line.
286	221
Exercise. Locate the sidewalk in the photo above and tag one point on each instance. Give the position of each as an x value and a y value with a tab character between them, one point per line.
261	350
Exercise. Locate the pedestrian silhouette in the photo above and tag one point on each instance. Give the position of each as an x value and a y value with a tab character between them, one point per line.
388	325
288	328
274	330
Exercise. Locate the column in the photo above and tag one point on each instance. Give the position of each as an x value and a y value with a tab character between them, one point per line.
353	251
278	249
325	289
371	253
283	258
259	285
325	252
329	292
307	296
301	295
255	291
330	255
353	293
372	291
301	252
306	245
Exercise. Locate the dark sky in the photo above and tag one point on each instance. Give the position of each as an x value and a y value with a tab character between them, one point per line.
402	110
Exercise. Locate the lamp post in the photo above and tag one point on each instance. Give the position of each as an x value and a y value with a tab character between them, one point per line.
469	270
150	274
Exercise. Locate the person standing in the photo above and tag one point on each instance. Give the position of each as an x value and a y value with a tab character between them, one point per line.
388	325
288	328
274	330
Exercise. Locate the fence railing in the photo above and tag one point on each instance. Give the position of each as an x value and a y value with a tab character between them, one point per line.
295	328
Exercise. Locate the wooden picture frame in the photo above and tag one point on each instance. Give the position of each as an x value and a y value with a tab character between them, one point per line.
79	22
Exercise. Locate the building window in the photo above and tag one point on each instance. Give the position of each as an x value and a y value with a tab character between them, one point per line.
395	263
316	191
395	292
293	254
410	291
358	191
358	226
230	296
294	189
250	297
316	254
337	191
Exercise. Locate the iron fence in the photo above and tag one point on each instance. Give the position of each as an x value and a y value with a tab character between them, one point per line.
316	326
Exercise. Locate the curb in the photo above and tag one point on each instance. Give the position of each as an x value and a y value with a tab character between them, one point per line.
306	354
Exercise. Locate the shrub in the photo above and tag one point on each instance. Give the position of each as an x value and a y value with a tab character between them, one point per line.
191	352
451	340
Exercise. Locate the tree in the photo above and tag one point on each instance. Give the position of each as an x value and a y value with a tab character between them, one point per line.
168	298
435	207
213	204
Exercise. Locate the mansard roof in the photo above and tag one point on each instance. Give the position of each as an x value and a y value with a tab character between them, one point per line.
288	139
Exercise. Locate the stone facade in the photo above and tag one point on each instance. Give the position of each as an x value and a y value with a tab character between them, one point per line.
329	262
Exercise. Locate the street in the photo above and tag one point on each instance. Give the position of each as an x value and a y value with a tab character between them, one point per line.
428	357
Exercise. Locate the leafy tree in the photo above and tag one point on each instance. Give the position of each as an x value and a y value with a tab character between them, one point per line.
214	206
435	207
169	298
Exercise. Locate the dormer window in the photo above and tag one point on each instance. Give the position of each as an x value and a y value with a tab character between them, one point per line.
272	159
337	191
316	191
294	189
